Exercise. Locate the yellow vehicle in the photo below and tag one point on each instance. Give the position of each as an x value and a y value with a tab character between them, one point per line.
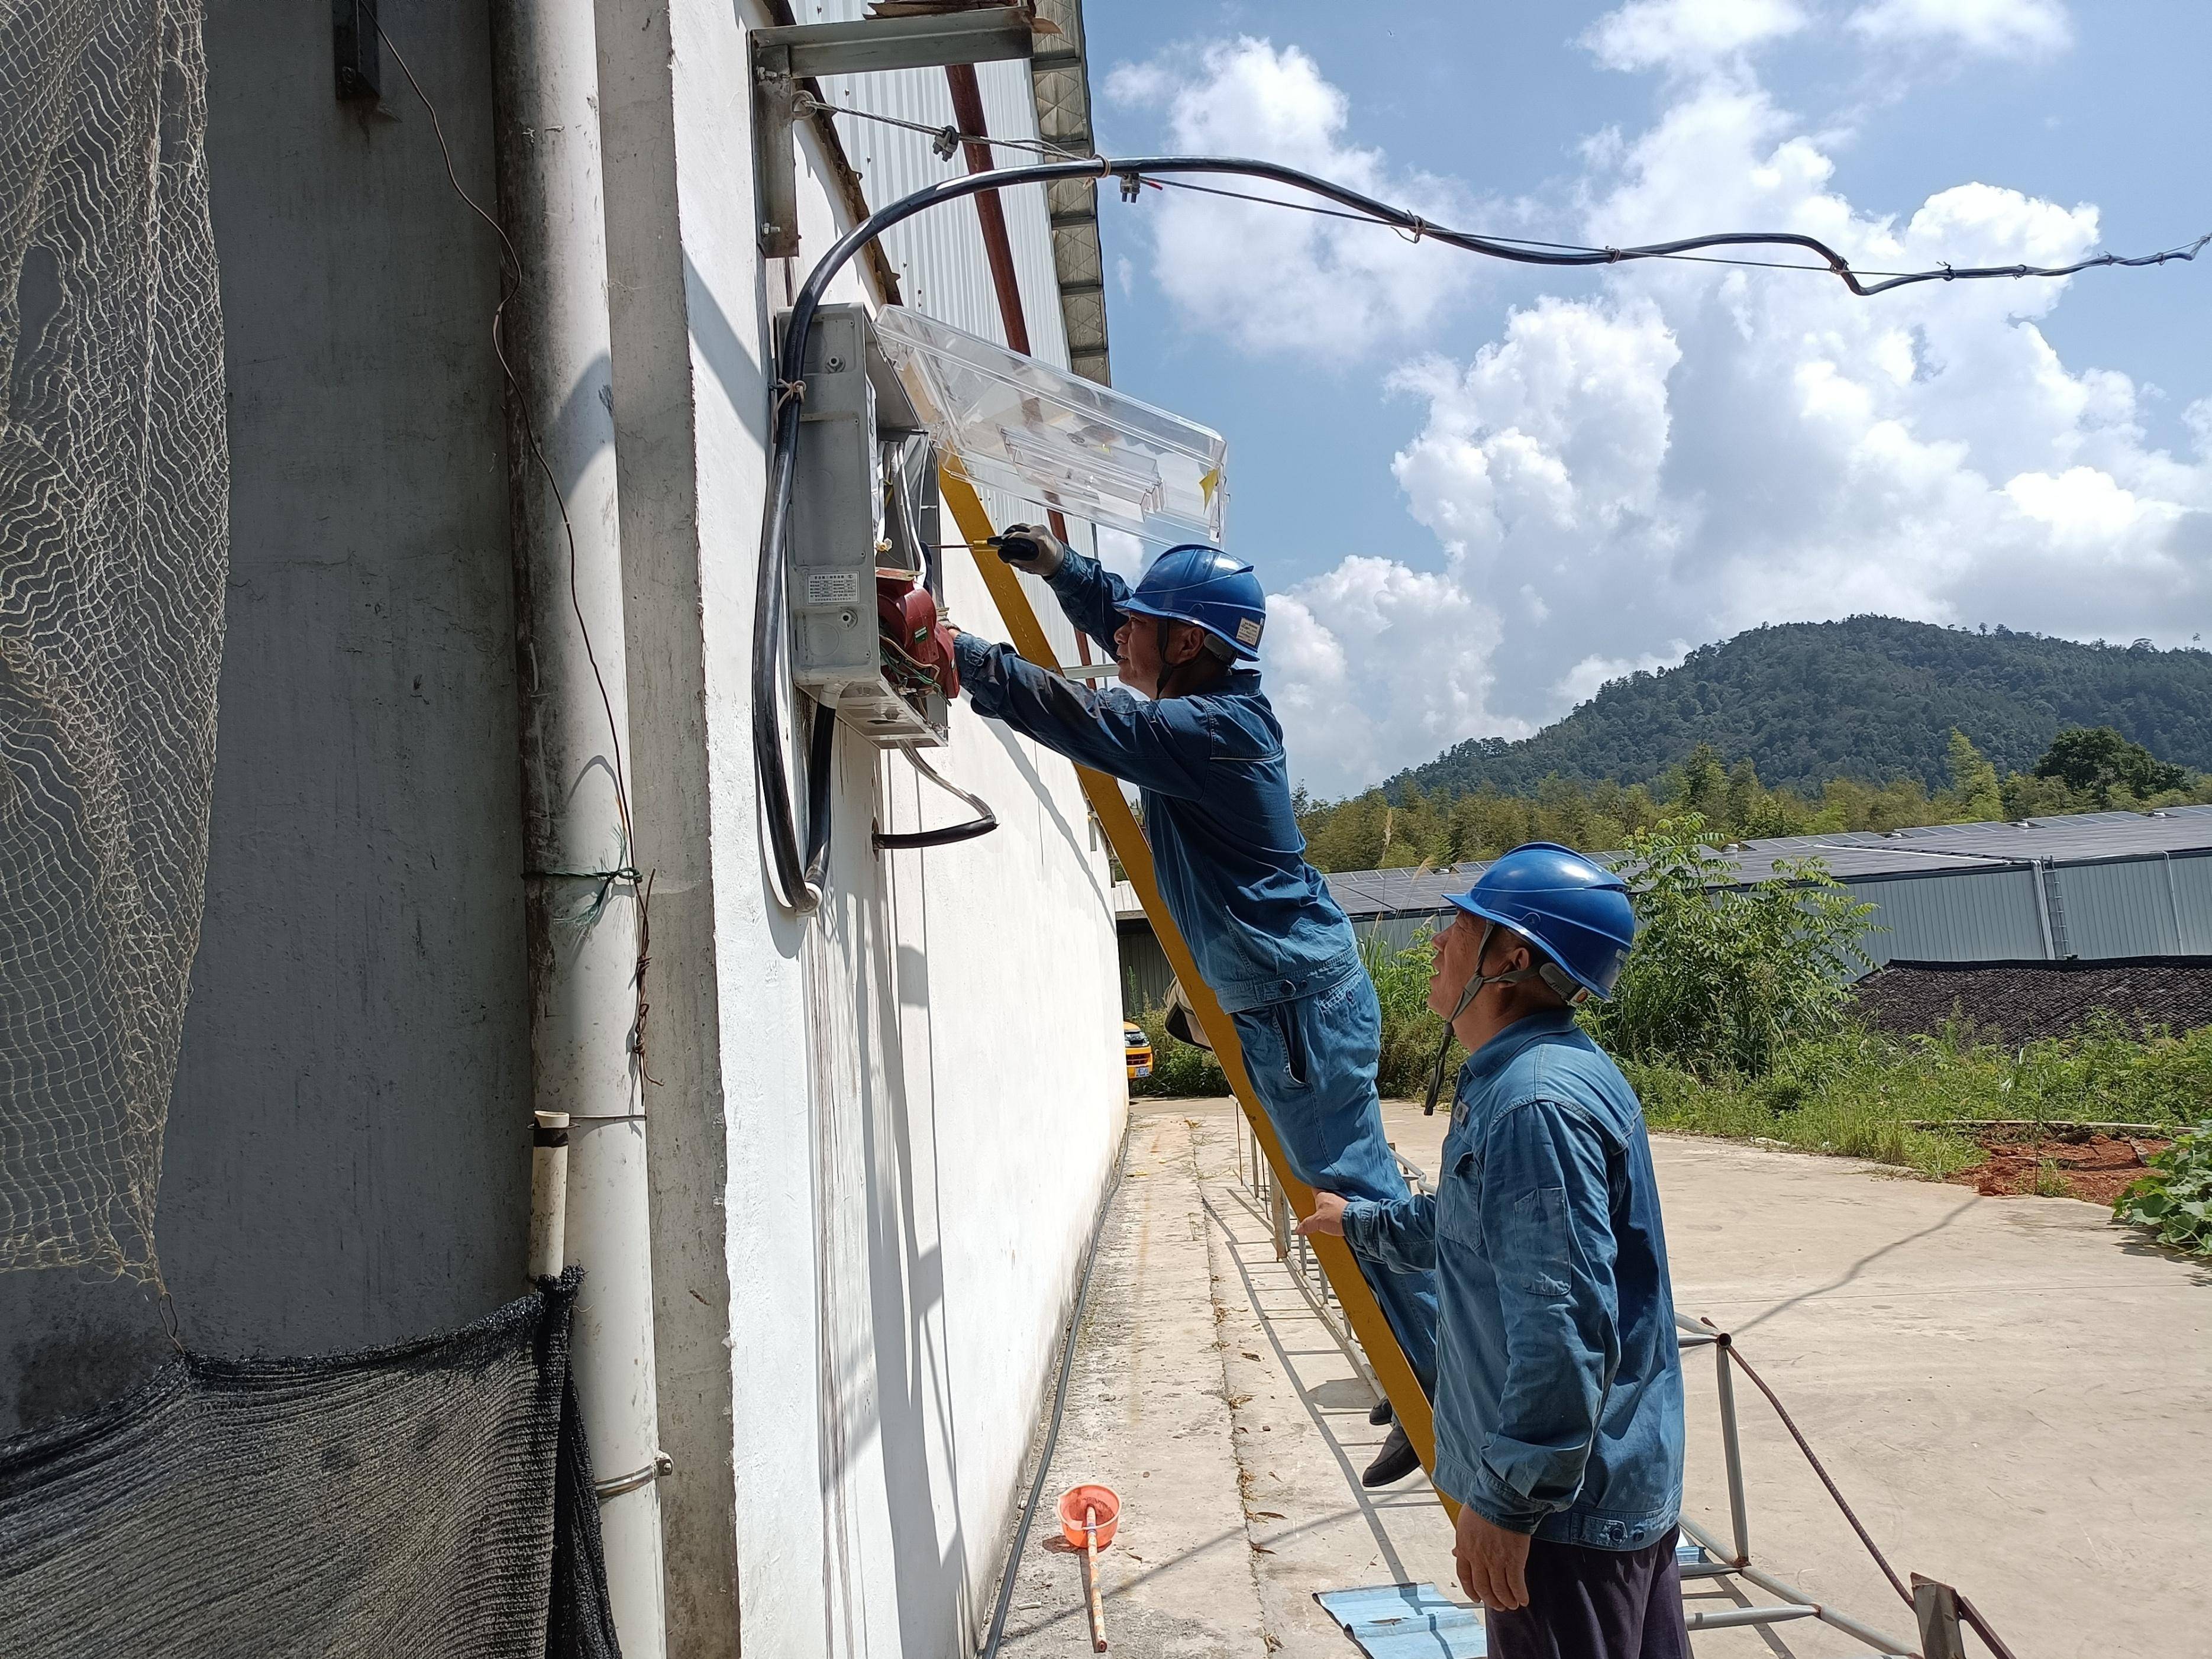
1138	1049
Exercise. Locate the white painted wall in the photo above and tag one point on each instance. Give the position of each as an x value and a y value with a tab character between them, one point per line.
877	1146
879	1142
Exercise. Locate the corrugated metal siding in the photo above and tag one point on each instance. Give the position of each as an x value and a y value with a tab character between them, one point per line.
1396	932
943	268
939	254
2192	894
2118	909
1974	915
1146	974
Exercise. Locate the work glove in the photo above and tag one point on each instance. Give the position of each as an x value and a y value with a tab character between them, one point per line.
1026	547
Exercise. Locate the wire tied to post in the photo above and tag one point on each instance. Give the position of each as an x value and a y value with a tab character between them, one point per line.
606	879
511	279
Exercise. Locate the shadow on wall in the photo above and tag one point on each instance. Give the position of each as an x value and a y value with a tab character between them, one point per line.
1077	840
885	1373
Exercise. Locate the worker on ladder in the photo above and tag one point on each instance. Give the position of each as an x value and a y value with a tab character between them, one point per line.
1206	751
1560	1423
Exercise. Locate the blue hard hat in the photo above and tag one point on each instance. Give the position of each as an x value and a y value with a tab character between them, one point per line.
1577	910
1205	586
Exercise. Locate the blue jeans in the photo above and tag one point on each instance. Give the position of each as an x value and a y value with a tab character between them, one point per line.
1312	1061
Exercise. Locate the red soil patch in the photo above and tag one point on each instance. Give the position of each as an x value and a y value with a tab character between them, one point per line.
2095	1168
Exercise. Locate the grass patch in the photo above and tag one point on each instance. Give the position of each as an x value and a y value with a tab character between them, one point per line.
1858	1093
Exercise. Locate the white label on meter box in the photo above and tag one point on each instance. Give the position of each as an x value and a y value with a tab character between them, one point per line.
832	588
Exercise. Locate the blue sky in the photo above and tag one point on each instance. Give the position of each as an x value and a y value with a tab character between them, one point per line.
1475	492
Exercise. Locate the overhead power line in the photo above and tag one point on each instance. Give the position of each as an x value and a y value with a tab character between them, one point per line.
1525	250
798	864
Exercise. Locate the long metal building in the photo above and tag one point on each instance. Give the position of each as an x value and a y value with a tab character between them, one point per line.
2090	887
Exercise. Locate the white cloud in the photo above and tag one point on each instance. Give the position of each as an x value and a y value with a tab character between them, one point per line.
1276	282
1688	34
1677	452
1995	28
1122	553
1592	674
1376	660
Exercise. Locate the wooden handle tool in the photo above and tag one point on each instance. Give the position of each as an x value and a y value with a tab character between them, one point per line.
1091	1563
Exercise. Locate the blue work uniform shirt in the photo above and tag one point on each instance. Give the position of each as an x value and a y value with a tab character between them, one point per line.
1226	849
1558	1406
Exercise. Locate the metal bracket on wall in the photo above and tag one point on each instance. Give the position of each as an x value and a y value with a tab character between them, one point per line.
784	58
358	59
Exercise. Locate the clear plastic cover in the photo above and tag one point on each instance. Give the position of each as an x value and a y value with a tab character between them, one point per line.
1043	434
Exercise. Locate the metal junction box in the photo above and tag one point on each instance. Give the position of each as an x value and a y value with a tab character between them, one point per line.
864	499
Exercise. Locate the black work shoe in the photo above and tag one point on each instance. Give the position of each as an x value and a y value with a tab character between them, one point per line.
1393	1462
1382	1416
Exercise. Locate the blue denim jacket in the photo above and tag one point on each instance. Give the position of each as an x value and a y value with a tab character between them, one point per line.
1558	1382
1226	848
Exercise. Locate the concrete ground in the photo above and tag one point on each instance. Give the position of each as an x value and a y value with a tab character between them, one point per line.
2012	1392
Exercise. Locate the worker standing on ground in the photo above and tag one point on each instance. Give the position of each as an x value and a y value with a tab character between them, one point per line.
1206	751
1558	1408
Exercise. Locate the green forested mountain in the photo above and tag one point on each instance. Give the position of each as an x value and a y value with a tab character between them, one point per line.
1870	697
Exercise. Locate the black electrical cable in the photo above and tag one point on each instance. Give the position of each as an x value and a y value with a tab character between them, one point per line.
820	753
998	1630
982	824
797	874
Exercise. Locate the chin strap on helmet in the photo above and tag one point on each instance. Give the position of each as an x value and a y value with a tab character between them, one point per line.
1171	674
1558	979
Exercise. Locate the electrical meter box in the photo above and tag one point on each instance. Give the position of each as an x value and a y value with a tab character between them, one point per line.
864	510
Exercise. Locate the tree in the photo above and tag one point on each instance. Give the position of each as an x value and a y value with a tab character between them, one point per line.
1973	797
2095	761
1743	796
1721	977
1704	783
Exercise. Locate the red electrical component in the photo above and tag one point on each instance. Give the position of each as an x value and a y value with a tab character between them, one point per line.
906	616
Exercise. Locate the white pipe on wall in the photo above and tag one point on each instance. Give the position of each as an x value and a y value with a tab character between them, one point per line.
581	899
548	1195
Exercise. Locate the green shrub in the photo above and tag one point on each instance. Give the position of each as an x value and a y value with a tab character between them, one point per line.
1410	1032
2174	1201
1723	978
1178	1068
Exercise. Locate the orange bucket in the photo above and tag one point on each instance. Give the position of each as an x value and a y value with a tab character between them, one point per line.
1106	1510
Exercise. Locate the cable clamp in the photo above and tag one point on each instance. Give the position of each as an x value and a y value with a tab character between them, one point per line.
1131	183
944	143
660	1468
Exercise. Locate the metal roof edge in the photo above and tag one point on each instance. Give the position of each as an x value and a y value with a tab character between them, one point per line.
1060	80
2047	964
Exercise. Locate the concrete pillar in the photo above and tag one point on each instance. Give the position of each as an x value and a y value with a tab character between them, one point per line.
582	898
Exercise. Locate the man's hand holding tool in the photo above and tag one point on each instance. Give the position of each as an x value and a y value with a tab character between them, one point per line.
1026	547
